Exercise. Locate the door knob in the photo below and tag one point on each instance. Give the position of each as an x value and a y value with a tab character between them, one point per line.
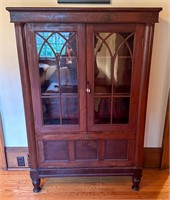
88	90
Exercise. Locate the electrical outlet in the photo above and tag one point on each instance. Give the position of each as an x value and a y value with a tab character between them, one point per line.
21	161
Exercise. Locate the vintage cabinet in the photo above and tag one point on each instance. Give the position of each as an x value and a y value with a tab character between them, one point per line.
85	75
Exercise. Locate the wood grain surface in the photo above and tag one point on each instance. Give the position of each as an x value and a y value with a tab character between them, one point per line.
16	185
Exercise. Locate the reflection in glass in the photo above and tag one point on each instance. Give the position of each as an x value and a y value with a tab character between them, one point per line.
70	110
51	110
113	54
120	111
57	55
111	110
113	61
102	110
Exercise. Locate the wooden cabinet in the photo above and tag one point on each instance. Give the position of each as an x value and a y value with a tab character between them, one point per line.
85	74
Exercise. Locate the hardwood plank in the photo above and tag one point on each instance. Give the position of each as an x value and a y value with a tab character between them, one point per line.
16	185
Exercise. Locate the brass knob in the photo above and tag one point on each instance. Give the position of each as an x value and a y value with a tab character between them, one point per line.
88	87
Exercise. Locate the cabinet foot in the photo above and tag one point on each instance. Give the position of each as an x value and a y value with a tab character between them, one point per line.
136	178
36	184
136	182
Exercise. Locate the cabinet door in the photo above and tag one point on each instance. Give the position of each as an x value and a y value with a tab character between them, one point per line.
56	61
114	54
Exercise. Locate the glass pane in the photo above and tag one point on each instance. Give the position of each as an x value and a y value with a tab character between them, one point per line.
51	110
113	62
123	75
71	60
112	74
112	110
57	55
69	110
48	79
103	77
102	110
124	44
120	112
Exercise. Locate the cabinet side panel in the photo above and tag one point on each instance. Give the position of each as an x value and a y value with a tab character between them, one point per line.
147	51
22	57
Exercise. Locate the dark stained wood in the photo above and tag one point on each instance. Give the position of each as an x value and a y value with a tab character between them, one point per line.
86	15
85	9
23	63
147	51
87	148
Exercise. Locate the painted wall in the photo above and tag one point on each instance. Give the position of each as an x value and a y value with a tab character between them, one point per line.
11	102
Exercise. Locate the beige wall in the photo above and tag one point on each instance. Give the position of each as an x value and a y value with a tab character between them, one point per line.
11	102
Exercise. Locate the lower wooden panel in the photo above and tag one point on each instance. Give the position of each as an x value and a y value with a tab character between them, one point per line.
85	153
152	157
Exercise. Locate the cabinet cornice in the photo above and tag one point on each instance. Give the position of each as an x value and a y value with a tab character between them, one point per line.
84	15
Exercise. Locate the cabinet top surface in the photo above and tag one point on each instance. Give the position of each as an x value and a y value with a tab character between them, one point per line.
94	9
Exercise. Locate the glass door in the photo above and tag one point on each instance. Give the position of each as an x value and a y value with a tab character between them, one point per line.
55	64
110	72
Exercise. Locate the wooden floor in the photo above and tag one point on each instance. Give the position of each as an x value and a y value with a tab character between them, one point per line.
16	185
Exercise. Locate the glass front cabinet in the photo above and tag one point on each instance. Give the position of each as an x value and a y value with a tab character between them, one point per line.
85	75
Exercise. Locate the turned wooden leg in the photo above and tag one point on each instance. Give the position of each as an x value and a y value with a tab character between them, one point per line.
136	182
36	184
136	178
35	180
